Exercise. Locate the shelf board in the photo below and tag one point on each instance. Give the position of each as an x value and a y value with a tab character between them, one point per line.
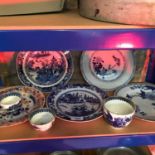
65	135
69	31
64	20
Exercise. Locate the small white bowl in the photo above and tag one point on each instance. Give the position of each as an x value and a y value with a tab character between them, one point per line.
42	119
9	100
119	111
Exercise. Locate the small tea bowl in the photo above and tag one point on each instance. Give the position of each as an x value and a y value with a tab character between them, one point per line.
10	99
42	119
118	111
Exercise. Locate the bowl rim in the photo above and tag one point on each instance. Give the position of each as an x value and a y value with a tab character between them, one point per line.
123	99
40	110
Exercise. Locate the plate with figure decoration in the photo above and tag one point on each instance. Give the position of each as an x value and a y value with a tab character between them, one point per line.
107	70
17	102
44	69
77	102
143	95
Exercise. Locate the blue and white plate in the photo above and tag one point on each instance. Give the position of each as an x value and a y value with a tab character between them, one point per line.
107	70
143	95
30	99
77	102
44	69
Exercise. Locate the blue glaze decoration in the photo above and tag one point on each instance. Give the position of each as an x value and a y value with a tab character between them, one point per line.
143	95
117	122
44	69
77	102
31	99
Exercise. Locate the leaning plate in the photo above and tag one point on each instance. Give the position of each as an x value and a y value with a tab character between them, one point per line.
143	95
44	69
17	112
107	70
77	102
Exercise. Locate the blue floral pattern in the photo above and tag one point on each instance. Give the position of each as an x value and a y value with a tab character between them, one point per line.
118	122
107	71
143	95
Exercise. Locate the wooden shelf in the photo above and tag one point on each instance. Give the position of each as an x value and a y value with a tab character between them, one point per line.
69	31
64	20
63	129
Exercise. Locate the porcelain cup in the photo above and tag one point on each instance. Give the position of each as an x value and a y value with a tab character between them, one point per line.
42	119
118	111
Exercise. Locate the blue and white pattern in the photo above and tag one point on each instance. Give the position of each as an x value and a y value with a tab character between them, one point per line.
107	67
118	122
76	102
30	99
107	70
143	95
44	69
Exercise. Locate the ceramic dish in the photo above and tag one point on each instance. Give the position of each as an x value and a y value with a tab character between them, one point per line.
107	70
11	7
143	95
77	102
44	69
42	119
118	111
17	112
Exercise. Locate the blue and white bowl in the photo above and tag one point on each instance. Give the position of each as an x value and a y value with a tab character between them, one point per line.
119	111
42	119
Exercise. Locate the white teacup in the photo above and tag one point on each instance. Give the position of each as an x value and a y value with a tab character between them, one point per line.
42	119
9	100
119	111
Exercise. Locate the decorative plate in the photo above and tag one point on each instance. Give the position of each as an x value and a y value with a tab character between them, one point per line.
77	102
107	70
44	69
143	95
14	110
